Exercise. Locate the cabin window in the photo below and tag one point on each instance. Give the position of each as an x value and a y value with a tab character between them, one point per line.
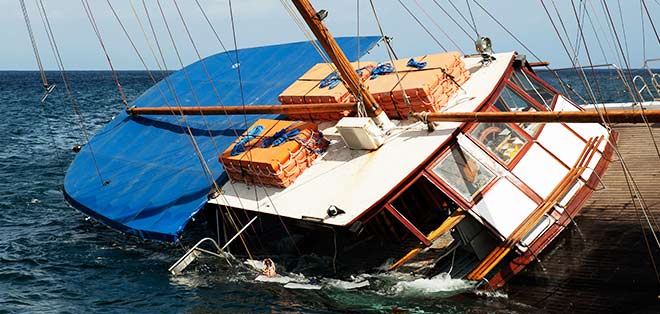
510	100
500	139
462	172
533	88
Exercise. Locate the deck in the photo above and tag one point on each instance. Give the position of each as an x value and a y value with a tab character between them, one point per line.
602	265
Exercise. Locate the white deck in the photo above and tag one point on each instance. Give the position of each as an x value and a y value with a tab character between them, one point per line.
354	180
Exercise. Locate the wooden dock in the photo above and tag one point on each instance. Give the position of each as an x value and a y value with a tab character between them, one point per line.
602	264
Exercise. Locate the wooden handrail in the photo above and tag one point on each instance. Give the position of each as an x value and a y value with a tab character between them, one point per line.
612	116
497	254
239	110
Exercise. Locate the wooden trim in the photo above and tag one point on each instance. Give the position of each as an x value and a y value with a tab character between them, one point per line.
407	224
433	156
542	82
523	187
449	223
526	96
503	249
448	189
513	162
571	210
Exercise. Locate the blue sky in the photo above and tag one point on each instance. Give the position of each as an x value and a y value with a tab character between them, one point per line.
262	22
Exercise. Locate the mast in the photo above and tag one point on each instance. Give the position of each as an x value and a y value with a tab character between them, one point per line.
613	116
348	75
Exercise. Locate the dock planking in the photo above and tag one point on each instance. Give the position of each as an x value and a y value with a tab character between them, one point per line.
601	264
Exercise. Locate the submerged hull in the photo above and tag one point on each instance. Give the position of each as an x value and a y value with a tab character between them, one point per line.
476	200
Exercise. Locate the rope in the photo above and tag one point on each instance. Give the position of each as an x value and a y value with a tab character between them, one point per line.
391	55
422	26
35	50
437	25
453	20
643	114
208	21
209	78
92	21
72	99
472	17
651	20
460	13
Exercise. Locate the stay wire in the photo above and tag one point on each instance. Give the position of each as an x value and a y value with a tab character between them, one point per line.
428	32
460	13
392	56
630	77
217	37
92	21
437	25
186	129
453	19
35	49
44	83
651	20
202	159
472	17
213	86
208	77
72	99
238	61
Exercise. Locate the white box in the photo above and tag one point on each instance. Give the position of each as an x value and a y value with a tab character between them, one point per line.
360	133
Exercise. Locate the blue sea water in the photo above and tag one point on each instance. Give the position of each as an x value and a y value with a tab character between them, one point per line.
55	260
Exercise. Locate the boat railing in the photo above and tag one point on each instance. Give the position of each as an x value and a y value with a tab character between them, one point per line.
196	251
618	70
644	87
654	76
192	254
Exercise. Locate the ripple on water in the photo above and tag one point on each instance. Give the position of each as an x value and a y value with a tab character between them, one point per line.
53	260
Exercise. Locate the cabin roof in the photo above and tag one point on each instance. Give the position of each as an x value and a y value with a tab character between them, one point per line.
355	180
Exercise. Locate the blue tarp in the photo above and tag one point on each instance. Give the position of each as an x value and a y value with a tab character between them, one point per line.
152	181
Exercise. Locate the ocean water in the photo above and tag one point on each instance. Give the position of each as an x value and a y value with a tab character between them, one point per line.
55	260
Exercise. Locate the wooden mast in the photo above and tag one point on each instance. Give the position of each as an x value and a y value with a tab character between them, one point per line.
614	116
348	75
239	110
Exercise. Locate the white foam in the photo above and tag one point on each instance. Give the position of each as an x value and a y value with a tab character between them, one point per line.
303	286
440	283
347	285
276	279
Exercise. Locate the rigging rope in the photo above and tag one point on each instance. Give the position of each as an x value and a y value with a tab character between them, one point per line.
651	20
642	113
208	21
72	99
422	26
437	25
35	50
453	20
472	17
92	21
392	56
451	2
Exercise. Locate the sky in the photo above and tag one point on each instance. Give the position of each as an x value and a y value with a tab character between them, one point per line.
264	22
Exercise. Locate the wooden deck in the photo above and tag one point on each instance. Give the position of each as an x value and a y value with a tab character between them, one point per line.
602	265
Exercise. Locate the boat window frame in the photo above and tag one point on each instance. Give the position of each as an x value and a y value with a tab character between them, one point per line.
514	161
534	104
450	190
544	84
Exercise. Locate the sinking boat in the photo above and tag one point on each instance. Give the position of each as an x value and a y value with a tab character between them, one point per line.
451	159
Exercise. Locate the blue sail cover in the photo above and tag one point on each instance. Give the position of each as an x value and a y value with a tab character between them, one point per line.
152	181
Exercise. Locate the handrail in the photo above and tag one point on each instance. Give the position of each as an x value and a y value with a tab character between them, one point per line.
644	86
653	75
605	65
